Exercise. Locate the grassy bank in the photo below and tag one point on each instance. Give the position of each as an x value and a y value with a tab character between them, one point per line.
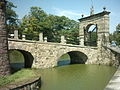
19	76
23	74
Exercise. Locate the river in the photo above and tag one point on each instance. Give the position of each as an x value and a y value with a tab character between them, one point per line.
76	77
69	76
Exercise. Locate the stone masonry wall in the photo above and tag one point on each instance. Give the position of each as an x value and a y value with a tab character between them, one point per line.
4	62
46	54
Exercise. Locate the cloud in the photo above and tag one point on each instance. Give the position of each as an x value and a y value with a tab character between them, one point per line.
68	13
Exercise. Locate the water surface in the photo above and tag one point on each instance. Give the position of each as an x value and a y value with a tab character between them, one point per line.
76	77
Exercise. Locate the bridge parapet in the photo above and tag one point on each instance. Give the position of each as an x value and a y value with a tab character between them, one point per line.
50	43
113	48
46	54
41	39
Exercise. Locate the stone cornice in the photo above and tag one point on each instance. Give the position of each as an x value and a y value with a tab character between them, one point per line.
95	15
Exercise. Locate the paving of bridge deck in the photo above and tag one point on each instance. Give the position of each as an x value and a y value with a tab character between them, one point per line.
114	83
115	49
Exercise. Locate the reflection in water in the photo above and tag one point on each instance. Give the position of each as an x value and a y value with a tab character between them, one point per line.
76	77
17	65
64	62
16	60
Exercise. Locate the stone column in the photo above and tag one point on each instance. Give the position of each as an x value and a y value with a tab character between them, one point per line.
63	41
45	39
106	33
4	61
23	37
16	34
82	41
41	37
12	35
103	30
81	35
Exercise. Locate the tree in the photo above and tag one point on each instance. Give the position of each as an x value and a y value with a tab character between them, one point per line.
11	17
116	35
52	26
62	26
33	23
4	62
118	27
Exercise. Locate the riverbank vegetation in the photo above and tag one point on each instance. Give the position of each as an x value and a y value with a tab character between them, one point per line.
20	76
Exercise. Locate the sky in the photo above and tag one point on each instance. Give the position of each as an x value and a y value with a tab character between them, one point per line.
72	9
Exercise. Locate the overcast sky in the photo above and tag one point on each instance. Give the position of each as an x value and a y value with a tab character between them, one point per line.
71	8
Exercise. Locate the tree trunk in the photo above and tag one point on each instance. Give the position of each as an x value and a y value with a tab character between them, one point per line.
4	61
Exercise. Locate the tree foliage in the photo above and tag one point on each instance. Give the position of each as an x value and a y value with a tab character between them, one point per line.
116	35
32	24
52	26
11	17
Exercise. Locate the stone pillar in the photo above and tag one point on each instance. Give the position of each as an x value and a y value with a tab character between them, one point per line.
23	37
99	40
41	37
81	35
63	41
103	30
12	35
4	61
82	41
45	39
16	34
106	33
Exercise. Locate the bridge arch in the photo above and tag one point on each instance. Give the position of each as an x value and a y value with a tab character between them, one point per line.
76	57
28	58
90	35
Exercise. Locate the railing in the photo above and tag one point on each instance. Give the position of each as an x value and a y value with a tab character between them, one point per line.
41	39
114	48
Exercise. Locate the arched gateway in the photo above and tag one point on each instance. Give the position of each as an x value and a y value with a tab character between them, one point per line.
101	24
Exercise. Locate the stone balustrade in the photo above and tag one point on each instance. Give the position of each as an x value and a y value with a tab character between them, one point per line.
41	39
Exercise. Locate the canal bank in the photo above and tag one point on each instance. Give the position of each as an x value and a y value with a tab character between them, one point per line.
30	84
114	83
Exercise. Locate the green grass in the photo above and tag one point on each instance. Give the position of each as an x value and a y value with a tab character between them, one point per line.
21	75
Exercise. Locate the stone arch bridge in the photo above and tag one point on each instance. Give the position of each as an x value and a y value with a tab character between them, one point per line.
41	54
45	54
